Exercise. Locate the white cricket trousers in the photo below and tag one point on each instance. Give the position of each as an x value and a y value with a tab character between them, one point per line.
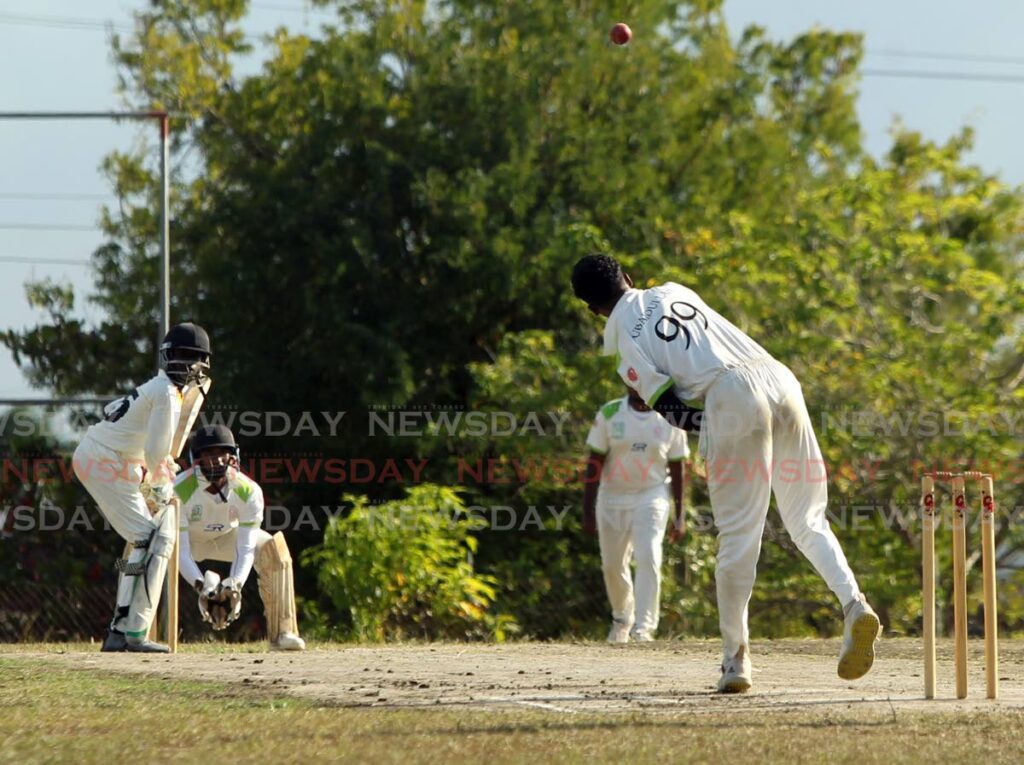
222	548
632	526
758	439
114	483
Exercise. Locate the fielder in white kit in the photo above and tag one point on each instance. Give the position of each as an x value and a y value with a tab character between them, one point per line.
221	515
124	458
626	503
756	438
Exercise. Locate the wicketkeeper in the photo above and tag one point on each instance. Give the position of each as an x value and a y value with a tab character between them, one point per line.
221	515
626	503
123	461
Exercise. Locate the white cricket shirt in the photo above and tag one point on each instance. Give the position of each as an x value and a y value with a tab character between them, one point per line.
207	516
667	336
140	425
637	446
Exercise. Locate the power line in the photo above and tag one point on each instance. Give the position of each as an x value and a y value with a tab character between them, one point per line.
69	22
55	401
93	24
926	75
61	22
102	25
270	7
938	56
132	115
59	196
48	227
45	261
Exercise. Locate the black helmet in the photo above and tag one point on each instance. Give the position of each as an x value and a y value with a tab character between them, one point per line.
185	354
212	437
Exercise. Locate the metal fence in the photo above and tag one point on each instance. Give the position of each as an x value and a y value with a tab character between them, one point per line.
33	612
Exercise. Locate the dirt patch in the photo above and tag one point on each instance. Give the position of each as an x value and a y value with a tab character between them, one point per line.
789	675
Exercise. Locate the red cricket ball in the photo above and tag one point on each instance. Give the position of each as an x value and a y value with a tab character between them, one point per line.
621	34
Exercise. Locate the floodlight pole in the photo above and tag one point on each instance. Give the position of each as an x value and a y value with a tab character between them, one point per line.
165	192
170	589
165	234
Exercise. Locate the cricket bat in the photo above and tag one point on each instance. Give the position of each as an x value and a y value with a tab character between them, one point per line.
192	399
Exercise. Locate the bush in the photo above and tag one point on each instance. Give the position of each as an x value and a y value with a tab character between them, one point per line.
404	569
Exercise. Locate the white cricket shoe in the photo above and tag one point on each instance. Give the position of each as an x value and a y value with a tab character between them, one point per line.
286	641
736	673
619	633
143	645
862	627
642	636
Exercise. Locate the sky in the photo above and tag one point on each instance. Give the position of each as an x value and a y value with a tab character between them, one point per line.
935	66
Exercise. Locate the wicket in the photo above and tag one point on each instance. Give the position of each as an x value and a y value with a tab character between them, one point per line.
988	549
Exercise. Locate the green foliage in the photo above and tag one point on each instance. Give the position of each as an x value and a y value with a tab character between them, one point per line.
688	587
404	569
36	504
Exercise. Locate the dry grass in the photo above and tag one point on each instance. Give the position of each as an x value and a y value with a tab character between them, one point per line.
57	713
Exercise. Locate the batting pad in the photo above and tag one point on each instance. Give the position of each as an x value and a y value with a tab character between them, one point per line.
277	587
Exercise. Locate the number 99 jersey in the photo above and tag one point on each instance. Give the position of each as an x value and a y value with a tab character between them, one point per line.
668	337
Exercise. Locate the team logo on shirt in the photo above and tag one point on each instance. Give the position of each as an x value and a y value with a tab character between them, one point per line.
618	429
632	375
196	513
115	410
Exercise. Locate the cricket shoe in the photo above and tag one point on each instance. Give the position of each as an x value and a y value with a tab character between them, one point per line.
642	636
736	673
862	627
114	642
619	633
286	641
141	645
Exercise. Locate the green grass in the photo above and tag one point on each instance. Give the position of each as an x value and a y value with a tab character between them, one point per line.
57	714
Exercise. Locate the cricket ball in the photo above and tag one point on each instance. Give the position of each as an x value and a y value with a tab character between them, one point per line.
621	34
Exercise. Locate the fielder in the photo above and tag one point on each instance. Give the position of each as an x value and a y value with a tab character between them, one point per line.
221	514
131	444
631	447
755	436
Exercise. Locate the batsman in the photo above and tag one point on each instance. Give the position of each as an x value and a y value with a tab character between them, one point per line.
126	462
221	515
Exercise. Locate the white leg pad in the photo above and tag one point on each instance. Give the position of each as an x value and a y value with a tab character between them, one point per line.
277	587
149	586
